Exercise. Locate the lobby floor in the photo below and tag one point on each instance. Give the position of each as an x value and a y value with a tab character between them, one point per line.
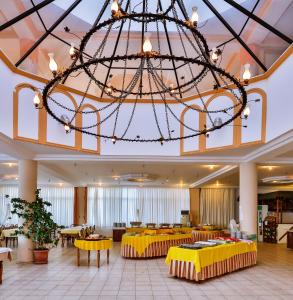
129	279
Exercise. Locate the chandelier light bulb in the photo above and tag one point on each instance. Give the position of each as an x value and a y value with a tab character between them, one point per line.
172	89
246	74
72	51
67	128
52	63
214	56
194	17
109	89
246	112
114	7
114	139
37	100
147	45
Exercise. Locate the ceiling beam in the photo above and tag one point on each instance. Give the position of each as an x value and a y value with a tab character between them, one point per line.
48	32
235	35
271	149
225	170
25	14
260	21
14	149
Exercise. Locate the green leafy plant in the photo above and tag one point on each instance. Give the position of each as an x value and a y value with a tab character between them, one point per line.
38	224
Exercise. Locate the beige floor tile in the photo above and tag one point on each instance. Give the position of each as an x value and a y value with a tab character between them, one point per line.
145	279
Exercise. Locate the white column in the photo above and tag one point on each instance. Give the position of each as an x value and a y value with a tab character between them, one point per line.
27	171
248	198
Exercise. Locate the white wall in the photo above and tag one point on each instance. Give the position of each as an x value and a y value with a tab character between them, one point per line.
279	117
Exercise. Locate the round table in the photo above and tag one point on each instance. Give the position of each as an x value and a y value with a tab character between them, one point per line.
93	245
143	246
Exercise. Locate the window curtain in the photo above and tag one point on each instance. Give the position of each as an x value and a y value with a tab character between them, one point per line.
62	199
5	206
217	206
107	205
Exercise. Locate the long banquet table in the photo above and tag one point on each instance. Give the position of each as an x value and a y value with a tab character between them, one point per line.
205	235
211	261
143	246
174	229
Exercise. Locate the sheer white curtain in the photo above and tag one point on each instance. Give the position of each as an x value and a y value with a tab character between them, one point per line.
124	204
62	200
217	206
12	192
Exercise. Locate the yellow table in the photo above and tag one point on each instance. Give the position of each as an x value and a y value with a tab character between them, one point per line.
94	245
72	232
5	253
151	245
211	261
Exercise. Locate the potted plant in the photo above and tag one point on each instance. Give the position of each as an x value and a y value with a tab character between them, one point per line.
38	225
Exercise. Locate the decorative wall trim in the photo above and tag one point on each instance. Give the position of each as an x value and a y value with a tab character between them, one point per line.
43	119
236	130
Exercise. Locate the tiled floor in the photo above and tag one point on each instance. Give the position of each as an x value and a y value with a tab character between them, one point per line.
129	279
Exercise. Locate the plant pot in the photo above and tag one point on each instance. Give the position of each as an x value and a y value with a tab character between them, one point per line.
41	256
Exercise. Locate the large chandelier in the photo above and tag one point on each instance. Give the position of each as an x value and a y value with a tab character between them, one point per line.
145	73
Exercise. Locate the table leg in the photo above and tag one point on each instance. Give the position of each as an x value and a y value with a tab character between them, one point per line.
78	257
1	271
88	257
108	256
98	258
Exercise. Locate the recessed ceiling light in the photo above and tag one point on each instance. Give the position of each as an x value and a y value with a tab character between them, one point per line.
278	179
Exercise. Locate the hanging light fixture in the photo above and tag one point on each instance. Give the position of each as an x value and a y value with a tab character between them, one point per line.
147	45
246	111
152	58
246	74
194	17
172	89
52	64
73	51
114	7
37	100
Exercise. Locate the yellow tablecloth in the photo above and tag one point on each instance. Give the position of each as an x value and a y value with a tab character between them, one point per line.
72	230
94	245
184	229
208	227
204	257
135	229
8	233
140	243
